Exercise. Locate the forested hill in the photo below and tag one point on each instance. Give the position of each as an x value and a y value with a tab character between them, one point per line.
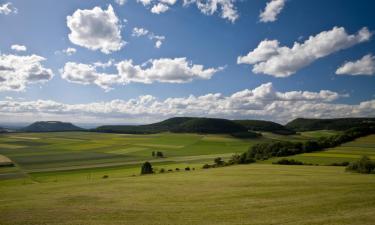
302	124
180	125
51	126
262	125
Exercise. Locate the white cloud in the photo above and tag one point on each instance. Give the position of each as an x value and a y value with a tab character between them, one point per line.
7	8
16	72
139	31
70	51
225	8
262	102
145	2
209	7
273	8
281	61
159	8
165	70
96	29
120	2
18	48
363	66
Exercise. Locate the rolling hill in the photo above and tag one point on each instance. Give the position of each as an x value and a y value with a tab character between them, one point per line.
304	124
51	126
180	125
262	125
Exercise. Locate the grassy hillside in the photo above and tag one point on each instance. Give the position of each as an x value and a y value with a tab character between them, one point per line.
347	152
51	126
302	124
180	125
268	126
251	194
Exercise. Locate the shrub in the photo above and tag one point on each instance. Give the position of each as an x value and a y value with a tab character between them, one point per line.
159	154
288	162
170	170
340	164
363	165
162	170
187	169
218	161
147	168
206	166
105	176
177	169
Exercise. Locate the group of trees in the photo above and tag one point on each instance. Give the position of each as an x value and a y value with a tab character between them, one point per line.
264	151
363	165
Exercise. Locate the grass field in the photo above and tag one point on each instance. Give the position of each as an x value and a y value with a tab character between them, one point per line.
347	152
50	152
250	194
59	180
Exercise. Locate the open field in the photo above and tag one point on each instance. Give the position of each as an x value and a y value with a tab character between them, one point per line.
249	194
347	152
50	152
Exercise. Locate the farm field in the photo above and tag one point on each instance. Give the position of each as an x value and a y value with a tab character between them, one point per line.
347	152
242	194
49	152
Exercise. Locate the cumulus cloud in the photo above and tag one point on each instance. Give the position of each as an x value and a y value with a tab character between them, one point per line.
7	8
262	102
165	70
363	66
281	61
140	31
226	8
272	10
16	72
96	29
120	2
70	51
18	48
159	8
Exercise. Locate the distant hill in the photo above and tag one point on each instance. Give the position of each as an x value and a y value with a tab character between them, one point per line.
50	126
302	124
182	125
3	130
262	125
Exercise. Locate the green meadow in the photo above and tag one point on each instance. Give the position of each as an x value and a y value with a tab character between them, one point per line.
93	178
347	152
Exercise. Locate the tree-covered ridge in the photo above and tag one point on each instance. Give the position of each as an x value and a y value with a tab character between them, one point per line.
51	126
304	124
182	125
262	125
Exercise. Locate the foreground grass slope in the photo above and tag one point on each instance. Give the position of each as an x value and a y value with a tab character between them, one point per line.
248	194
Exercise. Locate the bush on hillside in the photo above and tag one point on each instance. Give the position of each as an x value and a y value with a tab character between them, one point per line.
363	165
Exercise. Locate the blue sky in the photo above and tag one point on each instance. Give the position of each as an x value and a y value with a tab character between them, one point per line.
315	86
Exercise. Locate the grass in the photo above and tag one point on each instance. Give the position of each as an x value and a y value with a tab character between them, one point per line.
43	152
59	180
250	194
347	152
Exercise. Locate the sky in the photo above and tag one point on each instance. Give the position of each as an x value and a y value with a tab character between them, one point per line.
142	61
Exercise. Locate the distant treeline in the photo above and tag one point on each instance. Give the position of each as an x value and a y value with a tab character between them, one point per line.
302	124
264	151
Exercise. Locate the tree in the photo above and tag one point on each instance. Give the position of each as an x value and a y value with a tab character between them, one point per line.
159	154
218	161
147	168
153	154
